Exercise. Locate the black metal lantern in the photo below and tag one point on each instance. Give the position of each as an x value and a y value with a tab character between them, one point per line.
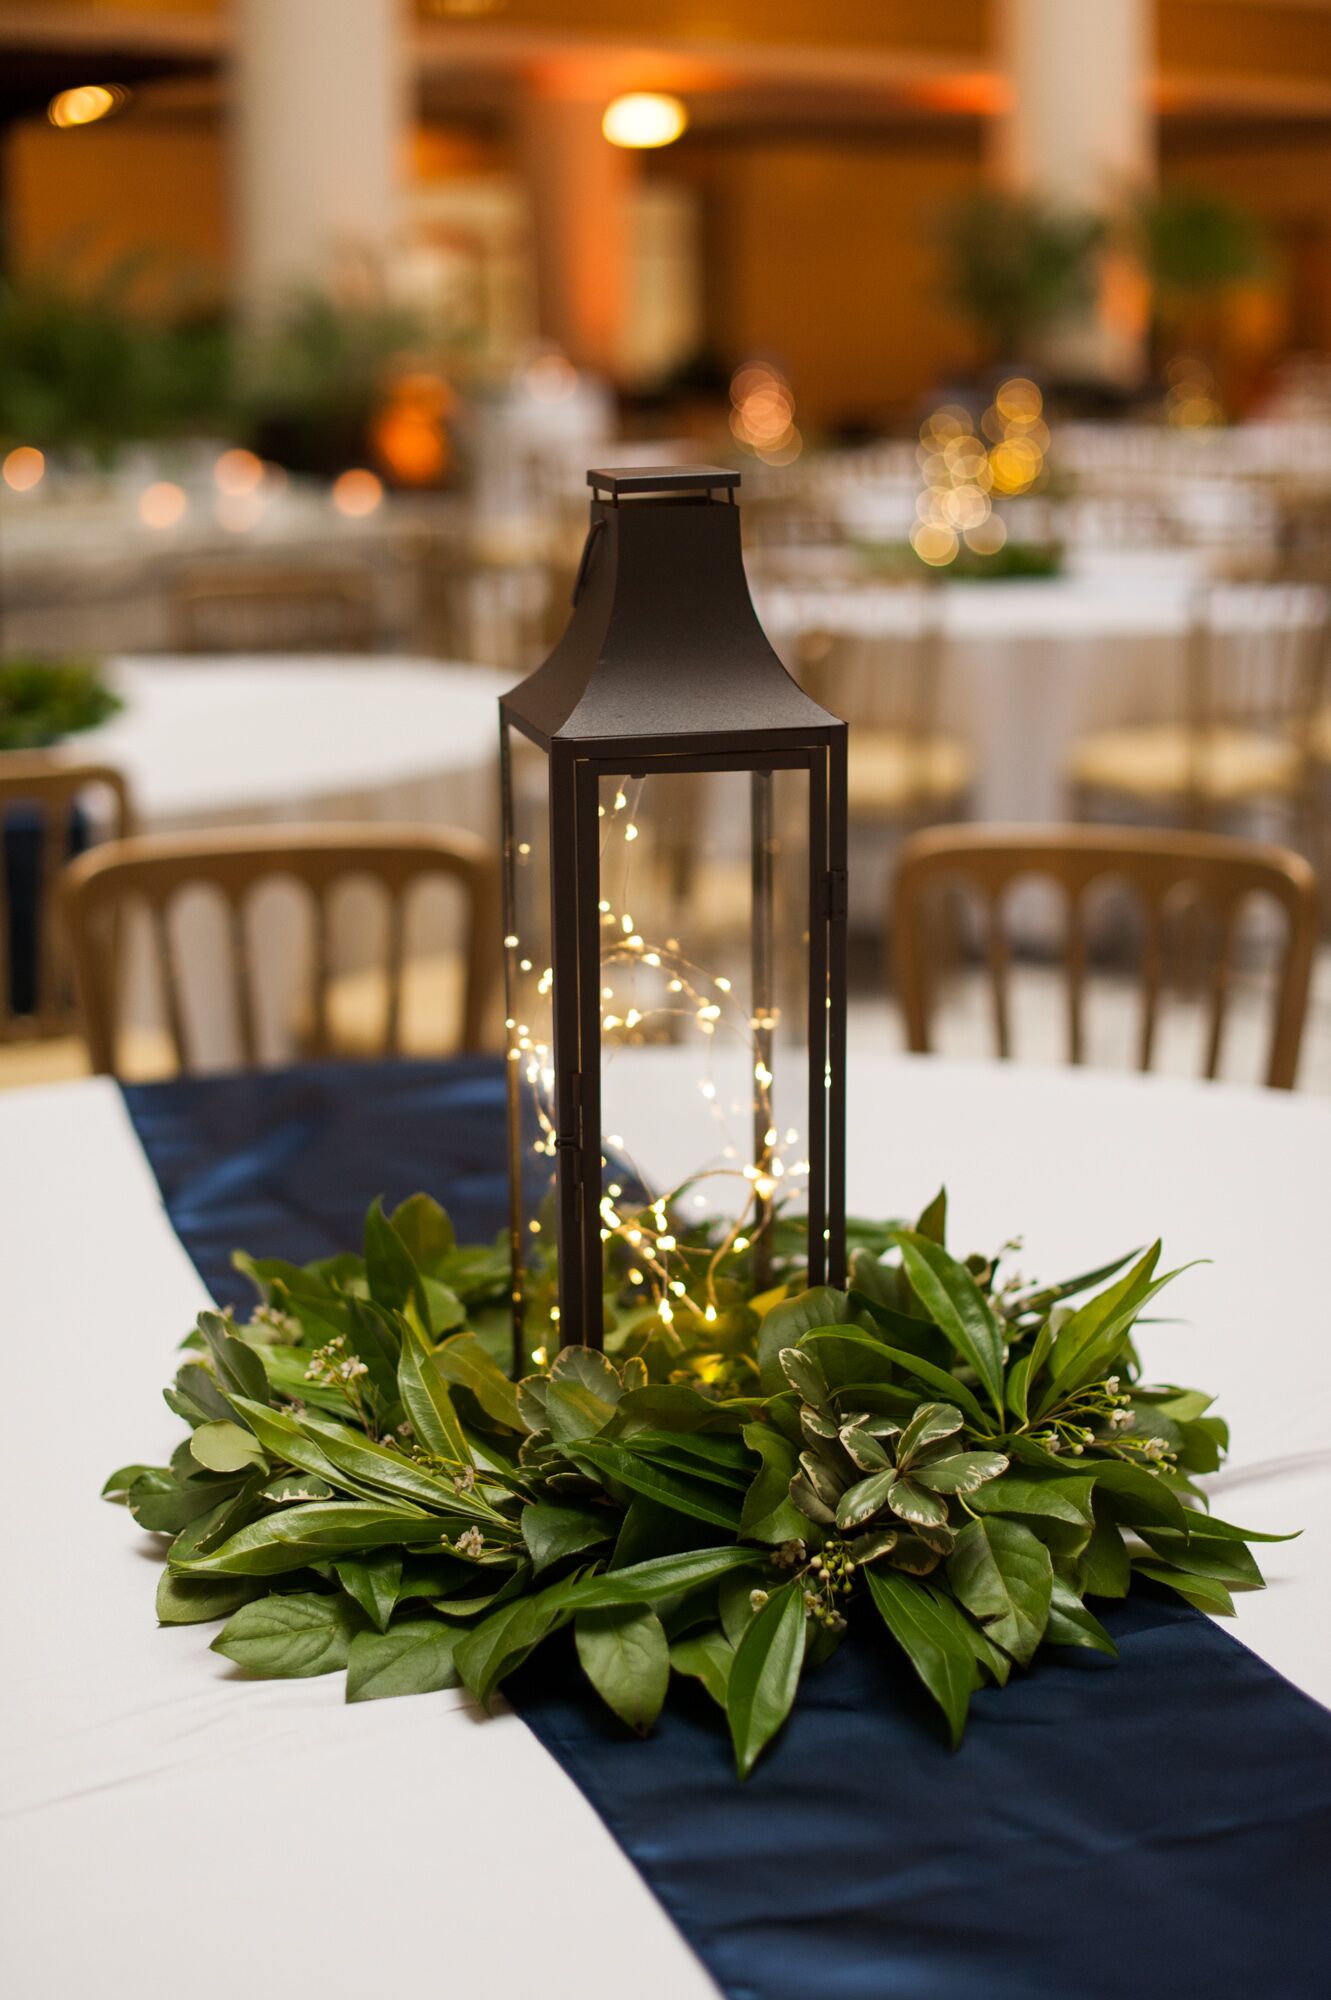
675	902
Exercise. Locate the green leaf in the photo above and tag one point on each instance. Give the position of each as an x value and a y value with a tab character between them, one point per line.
930	1424
962	1473
225	1447
1003	1576
1200	1553
1059	1511
859	1503
1071	1624
657	1579
889	1360
390	1268
685	1496
1203	1591
197	1387
413	1657
916	1504
288	1638
582	1395
786	1323
765	1675
188	1600
705	1656
121	1481
501	1642
1104	1569
801	1369
373	1581
239	1369
554	1533
316	1533
931	1632
955	1302
352	1457
768	1514
164	1504
429	1406
463	1361
933	1221
1107	1308
425	1231
1133	1495
624	1655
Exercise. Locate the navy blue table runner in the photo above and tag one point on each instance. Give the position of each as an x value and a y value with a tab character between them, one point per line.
1156	1827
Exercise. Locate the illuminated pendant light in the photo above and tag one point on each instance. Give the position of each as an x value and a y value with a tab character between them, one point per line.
644	118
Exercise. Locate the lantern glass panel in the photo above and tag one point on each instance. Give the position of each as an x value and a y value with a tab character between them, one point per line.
703	910
529	1023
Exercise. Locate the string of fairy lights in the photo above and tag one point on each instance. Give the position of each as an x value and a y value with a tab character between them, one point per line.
662	1269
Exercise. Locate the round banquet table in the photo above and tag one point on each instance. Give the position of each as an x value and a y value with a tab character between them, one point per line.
139	1769
207	741
1028	666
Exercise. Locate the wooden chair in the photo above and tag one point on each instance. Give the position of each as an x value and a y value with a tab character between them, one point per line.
47	790
241	607
1160	869
903	771
154	872
1257	661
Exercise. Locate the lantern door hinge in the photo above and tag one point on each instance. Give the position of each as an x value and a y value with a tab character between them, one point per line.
835	901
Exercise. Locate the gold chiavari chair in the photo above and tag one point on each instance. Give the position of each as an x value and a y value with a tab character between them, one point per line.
236	607
1164	872
40	795
352	1016
1257	663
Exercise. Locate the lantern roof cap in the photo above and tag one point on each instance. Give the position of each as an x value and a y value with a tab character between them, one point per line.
630	479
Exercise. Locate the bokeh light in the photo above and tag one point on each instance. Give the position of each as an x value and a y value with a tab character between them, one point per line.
357	492
237	472
962	473
23	468
644	118
408	434
86	104
162	504
762	413
1192	401
550	378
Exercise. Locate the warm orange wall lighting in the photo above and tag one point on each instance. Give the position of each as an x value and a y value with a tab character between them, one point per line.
86	104
644	118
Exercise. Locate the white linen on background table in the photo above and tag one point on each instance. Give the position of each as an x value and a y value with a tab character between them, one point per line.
140	1847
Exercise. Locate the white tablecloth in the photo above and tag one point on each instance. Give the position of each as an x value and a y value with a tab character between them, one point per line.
141	1853
215	742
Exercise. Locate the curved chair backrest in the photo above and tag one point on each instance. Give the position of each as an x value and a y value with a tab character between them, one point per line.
154	871
1158	868
40	794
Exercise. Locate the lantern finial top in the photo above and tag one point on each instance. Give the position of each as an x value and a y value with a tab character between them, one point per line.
635	481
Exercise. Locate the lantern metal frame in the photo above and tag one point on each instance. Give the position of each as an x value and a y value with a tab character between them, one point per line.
689	629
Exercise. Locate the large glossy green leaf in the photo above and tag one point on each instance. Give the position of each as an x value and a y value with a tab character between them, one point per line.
931	1423
315	1533
414	1656
786	1324
1133	1495
955	1302
765	1675
426	1400
931	1632
501	1642
1206	1592
554	1533
191	1600
624	1654
621	1465
289	1638
706	1656
1085	1325
768	1514
373	1466
963	1472
463	1361
390	1268
283	1436
425	1231
225	1447
239	1369
372	1580
1003	1576
1201	1553
657	1579
876	1360
1071	1624
1058	1510
1104	1569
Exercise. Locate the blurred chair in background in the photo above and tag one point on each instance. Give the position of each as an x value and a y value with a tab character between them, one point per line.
260	608
1168	875
904	772
42	821
1256	670
359	1015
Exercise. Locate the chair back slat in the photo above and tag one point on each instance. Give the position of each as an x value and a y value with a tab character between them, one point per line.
1219	875
236	607
49	787
157	870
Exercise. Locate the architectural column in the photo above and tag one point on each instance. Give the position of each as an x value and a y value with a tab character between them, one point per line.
579	186
319	96
1078	130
